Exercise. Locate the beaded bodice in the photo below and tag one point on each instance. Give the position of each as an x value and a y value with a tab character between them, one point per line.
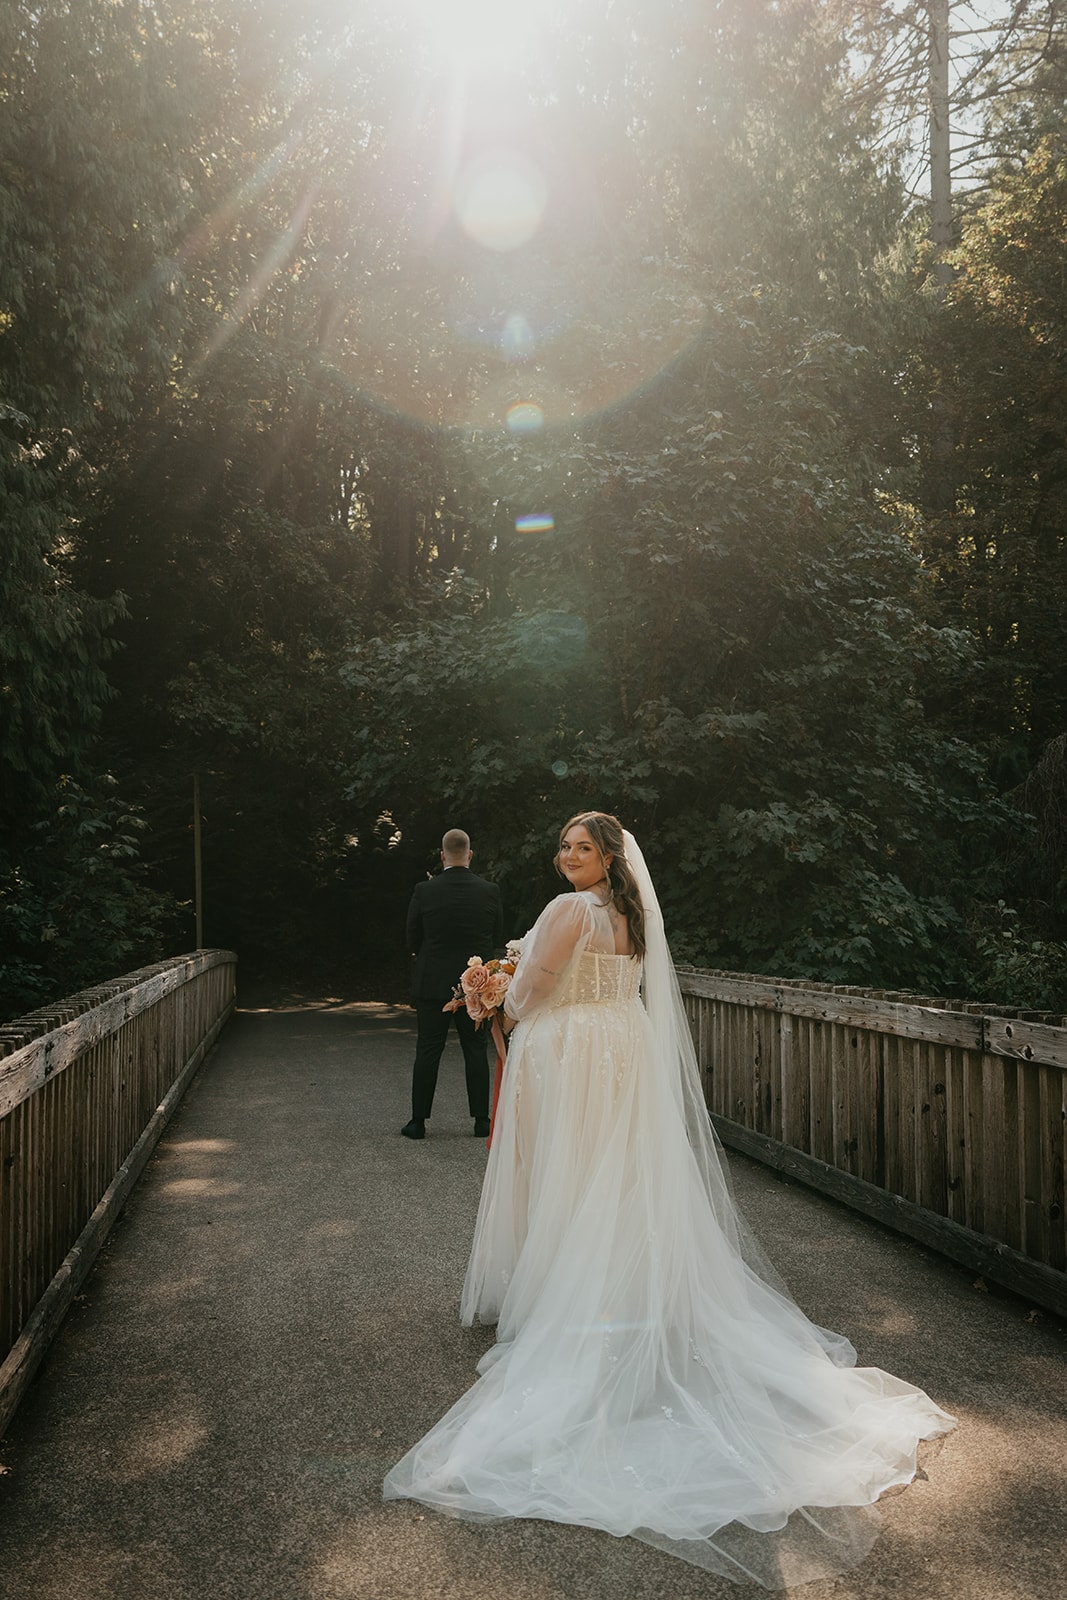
596	977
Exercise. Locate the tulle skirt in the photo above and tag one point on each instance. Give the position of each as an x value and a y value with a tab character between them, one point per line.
645	1380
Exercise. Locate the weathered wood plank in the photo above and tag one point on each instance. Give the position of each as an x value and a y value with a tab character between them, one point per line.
25	1355
1050	1100
934	1190
865	1092
863	1076
973	1112
954	1107
911	1133
736	1076
843	1142
992	1141
1058	1196
1038	1283
9	1229
955	1138
891	1164
795	1080
1007	1036
821	1140
62	1143
1030	1041
771	1045
883	1016
24	1070
1011	1224
753	1047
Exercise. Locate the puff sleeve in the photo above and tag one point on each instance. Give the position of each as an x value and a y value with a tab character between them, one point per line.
560	933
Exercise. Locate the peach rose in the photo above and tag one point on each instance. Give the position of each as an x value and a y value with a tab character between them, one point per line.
474	980
495	990
475	1010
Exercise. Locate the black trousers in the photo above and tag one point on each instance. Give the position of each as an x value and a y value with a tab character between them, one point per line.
433	1035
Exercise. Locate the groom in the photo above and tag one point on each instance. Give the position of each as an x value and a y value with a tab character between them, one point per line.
451	918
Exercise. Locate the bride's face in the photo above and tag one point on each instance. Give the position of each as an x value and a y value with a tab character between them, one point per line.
580	860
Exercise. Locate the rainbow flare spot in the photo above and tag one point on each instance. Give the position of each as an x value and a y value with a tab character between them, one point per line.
525	417
536	522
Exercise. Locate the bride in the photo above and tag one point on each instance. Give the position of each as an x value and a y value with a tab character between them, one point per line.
651	1374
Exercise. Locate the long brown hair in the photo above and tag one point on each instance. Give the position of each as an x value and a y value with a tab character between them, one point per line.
606	833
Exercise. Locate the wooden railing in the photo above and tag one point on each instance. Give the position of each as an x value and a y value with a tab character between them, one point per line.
86	1088
944	1120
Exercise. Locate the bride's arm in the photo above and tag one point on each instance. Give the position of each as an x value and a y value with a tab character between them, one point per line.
560	929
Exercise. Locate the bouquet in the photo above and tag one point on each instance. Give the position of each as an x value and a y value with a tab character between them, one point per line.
483	985
481	990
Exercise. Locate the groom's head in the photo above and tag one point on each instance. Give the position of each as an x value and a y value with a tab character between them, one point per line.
456	848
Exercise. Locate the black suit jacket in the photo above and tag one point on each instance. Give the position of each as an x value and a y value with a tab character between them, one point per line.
451	918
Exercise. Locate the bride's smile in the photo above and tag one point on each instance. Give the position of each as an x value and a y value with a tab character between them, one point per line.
579	859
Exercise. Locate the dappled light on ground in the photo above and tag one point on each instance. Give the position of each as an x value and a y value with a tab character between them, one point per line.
200	1186
161	1443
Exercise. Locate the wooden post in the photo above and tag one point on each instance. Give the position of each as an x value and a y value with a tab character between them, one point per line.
198	893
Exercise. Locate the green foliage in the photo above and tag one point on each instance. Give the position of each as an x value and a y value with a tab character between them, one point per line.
722	640
75	908
1012	967
263	502
54	641
1000	555
86	328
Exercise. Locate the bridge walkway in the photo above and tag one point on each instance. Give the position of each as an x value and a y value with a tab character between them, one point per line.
274	1320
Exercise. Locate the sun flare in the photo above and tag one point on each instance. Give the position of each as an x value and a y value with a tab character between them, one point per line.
477	34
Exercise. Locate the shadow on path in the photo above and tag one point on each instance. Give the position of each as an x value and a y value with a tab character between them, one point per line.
274	1320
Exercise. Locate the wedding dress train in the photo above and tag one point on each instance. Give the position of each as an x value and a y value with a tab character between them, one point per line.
651	1376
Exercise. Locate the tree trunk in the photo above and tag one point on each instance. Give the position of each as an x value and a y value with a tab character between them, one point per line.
940	142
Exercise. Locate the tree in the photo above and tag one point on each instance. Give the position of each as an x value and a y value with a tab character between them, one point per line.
721	639
1000	556
300	437
84	320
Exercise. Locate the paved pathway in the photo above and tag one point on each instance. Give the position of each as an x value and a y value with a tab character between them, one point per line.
274	1320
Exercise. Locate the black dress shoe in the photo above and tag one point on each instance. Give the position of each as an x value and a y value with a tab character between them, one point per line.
481	1127
415	1129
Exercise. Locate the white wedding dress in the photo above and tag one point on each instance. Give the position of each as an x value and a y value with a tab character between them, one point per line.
651	1376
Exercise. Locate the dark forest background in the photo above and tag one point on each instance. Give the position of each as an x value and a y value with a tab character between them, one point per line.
777	570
